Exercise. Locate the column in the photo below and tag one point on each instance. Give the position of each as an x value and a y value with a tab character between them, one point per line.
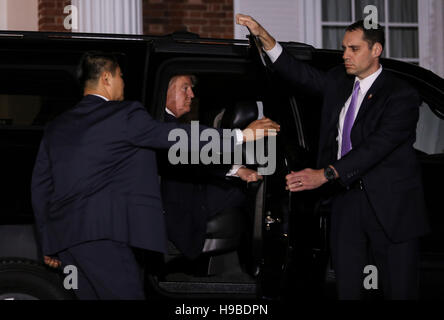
109	16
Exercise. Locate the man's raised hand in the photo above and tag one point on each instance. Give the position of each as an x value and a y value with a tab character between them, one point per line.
256	29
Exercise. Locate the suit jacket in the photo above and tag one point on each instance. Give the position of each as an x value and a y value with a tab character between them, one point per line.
95	177
191	194
382	136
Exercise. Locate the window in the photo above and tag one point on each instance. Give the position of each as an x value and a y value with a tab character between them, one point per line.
399	17
30	97
34	97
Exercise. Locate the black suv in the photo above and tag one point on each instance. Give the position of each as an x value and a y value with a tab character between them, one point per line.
281	251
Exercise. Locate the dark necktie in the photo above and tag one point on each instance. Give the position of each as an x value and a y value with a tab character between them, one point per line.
348	121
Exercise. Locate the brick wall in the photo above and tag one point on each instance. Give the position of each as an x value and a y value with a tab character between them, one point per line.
208	18
51	15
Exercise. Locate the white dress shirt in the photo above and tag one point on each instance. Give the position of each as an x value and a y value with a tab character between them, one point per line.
365	85
98	95
275	52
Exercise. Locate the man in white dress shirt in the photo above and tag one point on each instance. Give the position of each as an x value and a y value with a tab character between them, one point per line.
368	128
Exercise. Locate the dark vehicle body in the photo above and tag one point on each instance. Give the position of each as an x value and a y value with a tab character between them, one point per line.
284	251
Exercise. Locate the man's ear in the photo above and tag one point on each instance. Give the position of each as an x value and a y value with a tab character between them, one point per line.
377	50
105	78
171	95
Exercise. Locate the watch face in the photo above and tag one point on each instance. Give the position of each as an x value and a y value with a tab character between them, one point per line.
329	174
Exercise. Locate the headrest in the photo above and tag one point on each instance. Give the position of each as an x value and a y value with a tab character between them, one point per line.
243	113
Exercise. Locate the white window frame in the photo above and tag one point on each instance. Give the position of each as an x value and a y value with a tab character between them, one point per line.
309	21
386	24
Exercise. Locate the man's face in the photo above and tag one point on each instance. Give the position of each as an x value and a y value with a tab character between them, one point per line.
359	59
179	95
117	85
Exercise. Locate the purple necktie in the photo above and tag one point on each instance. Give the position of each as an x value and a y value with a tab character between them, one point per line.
348	122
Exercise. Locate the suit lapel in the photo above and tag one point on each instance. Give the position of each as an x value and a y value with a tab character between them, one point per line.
333	107
335	104
170	118
339	101
371	95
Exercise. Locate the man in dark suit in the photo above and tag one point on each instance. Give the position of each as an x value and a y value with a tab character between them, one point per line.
186	220
95	190
368	127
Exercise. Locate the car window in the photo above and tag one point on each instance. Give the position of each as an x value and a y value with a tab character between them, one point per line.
34	97
430	132
29	99
430	150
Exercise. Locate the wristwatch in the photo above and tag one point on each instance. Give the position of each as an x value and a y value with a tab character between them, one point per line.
329	174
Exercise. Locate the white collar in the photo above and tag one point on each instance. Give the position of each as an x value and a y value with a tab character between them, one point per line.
367	82
98	95
169	112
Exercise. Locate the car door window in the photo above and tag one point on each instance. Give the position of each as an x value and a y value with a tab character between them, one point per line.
29	99
430	151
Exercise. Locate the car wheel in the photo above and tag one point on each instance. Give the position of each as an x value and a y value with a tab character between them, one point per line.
29	280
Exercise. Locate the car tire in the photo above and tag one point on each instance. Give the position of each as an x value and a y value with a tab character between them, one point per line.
22	279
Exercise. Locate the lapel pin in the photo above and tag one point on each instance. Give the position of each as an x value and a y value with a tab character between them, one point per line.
370	96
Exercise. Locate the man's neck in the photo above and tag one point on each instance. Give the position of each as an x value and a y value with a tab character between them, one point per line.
371	71
96	92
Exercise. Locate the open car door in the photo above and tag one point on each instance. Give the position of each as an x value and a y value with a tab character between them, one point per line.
294	229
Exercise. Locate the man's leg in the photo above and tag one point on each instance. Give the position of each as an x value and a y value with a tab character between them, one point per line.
348	245
85	290
397	263
403	261
221	197
110	268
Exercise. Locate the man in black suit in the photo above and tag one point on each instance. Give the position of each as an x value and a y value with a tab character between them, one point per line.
368	127
95	190
186	220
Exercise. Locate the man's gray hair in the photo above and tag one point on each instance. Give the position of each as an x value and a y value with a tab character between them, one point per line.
173	78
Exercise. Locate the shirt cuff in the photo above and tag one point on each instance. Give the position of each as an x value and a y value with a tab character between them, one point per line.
239	137
234	169
274	53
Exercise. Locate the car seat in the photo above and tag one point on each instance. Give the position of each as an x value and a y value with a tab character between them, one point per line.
225	229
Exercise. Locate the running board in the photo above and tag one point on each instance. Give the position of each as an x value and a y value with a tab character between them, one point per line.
209	288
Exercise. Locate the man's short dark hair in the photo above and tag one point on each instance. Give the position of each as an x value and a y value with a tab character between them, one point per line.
370	35
93	64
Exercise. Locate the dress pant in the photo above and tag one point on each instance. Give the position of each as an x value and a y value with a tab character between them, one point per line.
358	240
107	270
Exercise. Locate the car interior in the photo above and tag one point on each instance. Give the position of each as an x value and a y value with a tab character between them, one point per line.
232	94
222	101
